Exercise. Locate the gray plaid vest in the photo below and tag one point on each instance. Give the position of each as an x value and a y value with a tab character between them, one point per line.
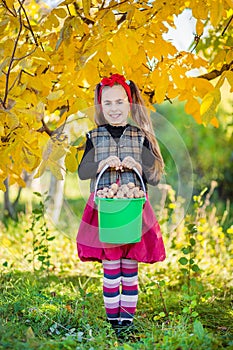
130	144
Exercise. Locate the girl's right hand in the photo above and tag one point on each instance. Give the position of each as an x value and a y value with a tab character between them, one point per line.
112	162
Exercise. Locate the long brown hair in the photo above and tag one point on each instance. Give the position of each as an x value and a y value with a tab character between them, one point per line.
142	119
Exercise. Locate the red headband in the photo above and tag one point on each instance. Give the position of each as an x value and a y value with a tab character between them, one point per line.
115	79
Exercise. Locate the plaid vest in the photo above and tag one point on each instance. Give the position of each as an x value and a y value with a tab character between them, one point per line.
129	144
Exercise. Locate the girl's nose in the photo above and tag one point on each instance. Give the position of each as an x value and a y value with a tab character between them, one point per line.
114	107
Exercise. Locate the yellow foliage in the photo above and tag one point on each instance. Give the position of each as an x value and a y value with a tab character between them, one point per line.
219	58
209	105
71	160
10	3
199	27
229	76
65	51
55	95
86	6
193	107
178	77
160	92
108	19
199	9
216	12
201	86
229	56
60	12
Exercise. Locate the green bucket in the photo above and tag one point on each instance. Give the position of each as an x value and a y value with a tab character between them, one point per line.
120	219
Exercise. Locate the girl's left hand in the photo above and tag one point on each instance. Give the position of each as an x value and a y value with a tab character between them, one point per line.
130	163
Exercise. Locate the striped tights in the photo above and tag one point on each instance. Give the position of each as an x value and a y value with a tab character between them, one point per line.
120	288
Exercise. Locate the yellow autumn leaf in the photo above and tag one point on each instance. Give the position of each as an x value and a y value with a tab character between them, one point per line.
229	56
108	19
30	161
12	121
55	150
178	77
9	3
60	12
214	122
219	58
135	61
30	334
33	82
216	8
130	13
16	178
139	17
2	186
132	43
55	95
229	76
161	88
54	20
118	51
41	169
86	7
71	160
230	4
172	92
199	12
56	169
199	27
201	86
2	131
209	105
192	106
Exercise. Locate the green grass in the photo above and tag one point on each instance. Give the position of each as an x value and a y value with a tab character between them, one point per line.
61	307
66	312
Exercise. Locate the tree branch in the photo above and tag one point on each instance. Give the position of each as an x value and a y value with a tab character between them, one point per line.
228	23
28	54
5	5
68	9
216	73
28	22
19	78
11	61
45	128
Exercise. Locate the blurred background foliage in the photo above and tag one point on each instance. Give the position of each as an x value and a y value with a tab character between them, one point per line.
210	149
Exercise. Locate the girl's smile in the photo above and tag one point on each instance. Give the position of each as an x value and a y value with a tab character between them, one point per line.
115	105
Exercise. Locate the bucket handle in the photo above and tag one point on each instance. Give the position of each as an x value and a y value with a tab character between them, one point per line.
106	167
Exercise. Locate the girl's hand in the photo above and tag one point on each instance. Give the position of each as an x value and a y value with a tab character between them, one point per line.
130	163
112	162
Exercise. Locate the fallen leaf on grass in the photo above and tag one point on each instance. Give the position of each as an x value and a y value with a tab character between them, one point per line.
30	334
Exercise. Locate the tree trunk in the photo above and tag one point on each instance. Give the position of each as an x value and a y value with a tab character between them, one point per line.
55	203
8	208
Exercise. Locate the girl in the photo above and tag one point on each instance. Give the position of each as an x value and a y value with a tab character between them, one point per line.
122	147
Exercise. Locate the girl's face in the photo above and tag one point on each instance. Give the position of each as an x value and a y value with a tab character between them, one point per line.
115	105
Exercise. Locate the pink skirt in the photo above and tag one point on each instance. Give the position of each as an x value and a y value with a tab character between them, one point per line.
149	250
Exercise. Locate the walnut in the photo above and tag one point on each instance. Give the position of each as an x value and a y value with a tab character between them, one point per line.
110	194
141	194
131	185
114	187
120	194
